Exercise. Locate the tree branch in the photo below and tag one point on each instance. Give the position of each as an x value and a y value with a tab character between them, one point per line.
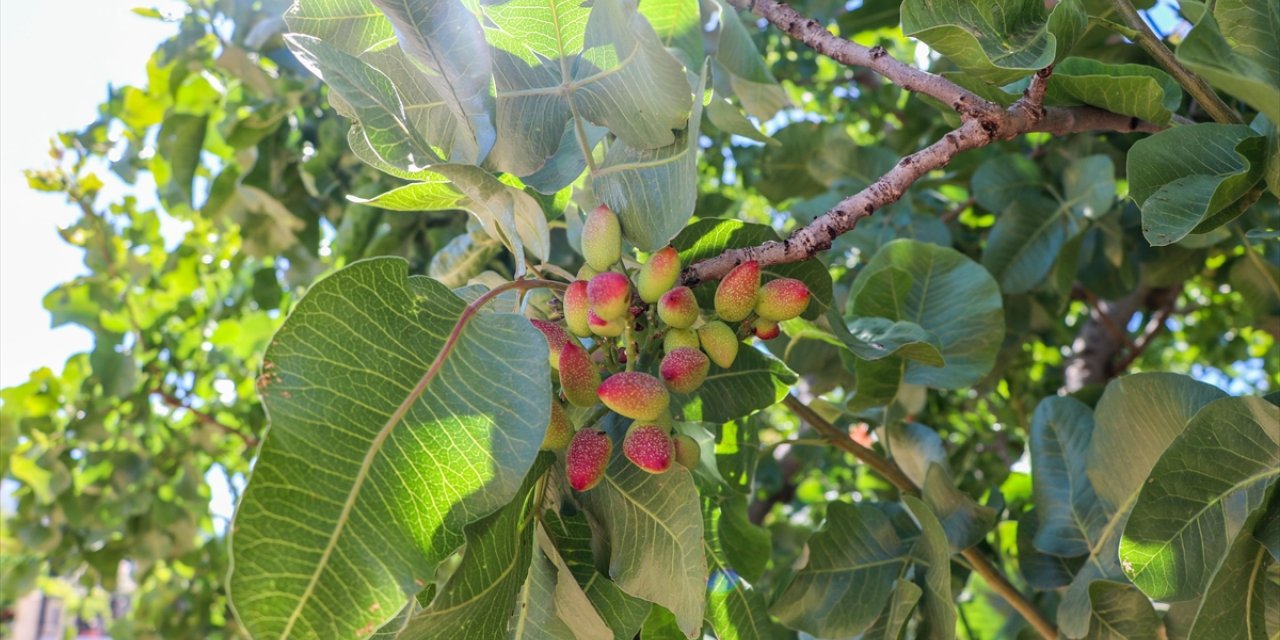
891	472
816	36
1194	84
983	122
175	402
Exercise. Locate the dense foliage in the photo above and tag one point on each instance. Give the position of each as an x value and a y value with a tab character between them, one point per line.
1026	392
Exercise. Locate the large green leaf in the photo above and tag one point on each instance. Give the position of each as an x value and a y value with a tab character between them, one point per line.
653	191
654	528
712	236
572	537
897	612
1237	48
876	338
1005	179
1130	89
853	563
1069	512
1025	241
445	37
998	41
920	453
561	59
1179	528
932	550
678	24
1183	177
749	77
754	381
480	595
1244	590
551	604
383	445
353	26
951	297
745	545
735	609
1136	419
1120	612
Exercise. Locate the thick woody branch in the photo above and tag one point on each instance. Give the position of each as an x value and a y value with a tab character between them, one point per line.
818	236
983	122
816	36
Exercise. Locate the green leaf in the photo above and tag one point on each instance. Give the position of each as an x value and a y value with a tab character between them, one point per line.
966	522
853	564
933	551
1129	89
602	64
745	545
897	612
506	212
998	41
462	259
1026	240
876	338
479	597
654	528
178	146
735	610
1042	571
749	76
1089	185
572	536
712	236
1182	177
727	118
653	191
1120	612
1070	515
951	297
365	480
434	195
1179	528
755	381
1005	179
1237	600
369	97
1237	48
445	37
551	604
871	15
352	26
678	24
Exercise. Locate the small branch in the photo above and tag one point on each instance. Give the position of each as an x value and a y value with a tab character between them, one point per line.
891	472
1153	328
1108	323
816	36
1194	84
175	402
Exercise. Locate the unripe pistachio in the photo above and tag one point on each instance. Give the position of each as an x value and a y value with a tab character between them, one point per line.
676	338
684	369
782	299
718	340
559	430
765	329
587	458
688	453
576	307
585	272
633	394
579	377
609	295
556	338
736	294
658	274
604	328
678	308
649	447
601	238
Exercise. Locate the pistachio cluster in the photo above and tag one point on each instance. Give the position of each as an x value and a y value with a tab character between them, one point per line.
635	319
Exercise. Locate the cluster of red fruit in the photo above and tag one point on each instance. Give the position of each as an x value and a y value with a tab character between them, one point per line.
601	304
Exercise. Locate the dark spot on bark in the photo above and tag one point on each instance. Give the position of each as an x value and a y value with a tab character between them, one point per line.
869	209
1133	123
906	162
878	52
812	24
990	126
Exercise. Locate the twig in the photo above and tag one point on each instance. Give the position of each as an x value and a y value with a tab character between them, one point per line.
891	472
175	402
1194	84
1153	328
1105	318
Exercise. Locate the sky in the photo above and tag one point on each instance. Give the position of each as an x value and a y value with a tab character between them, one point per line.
47	86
